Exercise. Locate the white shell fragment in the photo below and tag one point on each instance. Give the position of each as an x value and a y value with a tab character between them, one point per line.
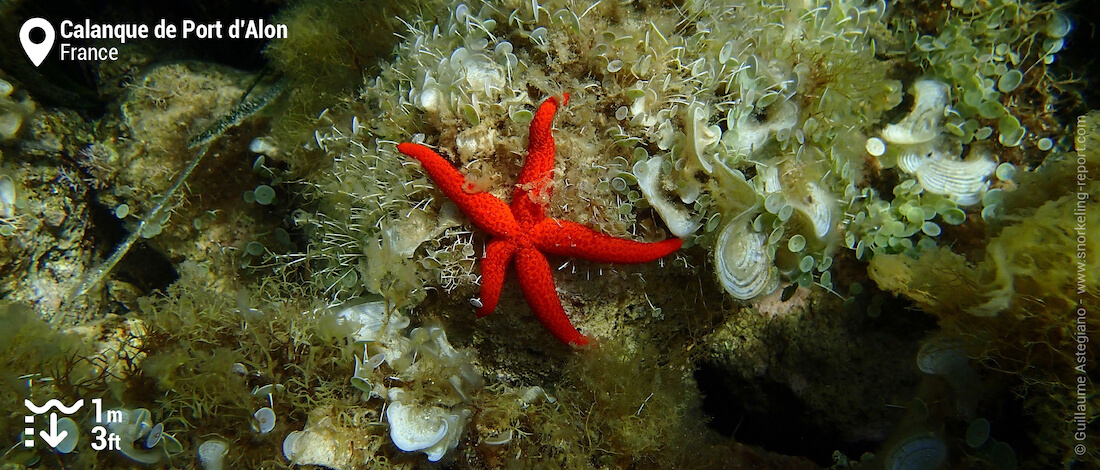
962	180
154	436
816	203
919	452
430	100
922	123
432	430
414	429
678	219
818	207
290	444
372	317
746	135
741	260
7	196
263	146
500	439
322	444
265	420
875	147
769	176
534	394
483	73
700	136
72	435
212	454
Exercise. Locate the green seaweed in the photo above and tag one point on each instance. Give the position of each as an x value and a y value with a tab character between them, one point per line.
325	57
1017	305
620	406
207	352
39	362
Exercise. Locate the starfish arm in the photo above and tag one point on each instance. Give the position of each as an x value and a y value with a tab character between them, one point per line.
537	284
540	143
498	255
532	188
484	210
565	238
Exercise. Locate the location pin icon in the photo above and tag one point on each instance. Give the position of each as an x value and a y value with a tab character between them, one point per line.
36	52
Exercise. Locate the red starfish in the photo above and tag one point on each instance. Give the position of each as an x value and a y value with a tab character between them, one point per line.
524	233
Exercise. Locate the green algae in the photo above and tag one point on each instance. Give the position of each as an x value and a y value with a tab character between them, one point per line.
1016	304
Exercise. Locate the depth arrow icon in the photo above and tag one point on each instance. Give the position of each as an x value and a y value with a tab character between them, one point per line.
53	438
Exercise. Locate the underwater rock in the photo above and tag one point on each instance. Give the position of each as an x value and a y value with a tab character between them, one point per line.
818	367
320	443
153	121
14	110
42	251
146	144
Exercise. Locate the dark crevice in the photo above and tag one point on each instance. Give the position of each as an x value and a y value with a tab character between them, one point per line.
146	268
143	266
782	425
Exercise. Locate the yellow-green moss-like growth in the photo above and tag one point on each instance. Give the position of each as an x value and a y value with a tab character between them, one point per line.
40	363
992	54
330	46
1019	305
618	407
207	352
